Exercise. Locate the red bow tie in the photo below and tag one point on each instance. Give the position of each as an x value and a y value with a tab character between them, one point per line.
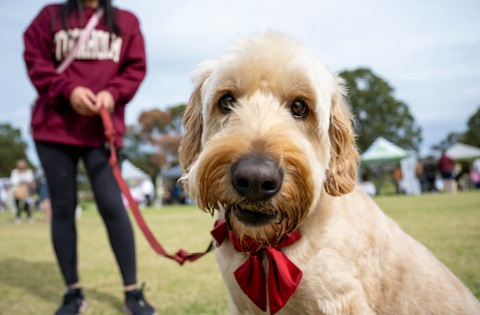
283	276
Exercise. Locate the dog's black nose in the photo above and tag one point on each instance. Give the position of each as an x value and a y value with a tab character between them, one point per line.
256	177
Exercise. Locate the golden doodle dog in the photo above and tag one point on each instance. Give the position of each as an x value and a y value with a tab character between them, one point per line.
269	146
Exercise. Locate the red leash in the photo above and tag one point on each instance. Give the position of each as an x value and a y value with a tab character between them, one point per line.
181	256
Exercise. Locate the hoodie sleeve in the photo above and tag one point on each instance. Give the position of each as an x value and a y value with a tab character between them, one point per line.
38	41
133	69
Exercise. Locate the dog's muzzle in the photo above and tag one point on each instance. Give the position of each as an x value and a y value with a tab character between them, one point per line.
256	179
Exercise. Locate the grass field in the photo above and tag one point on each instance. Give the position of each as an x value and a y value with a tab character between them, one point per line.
30	283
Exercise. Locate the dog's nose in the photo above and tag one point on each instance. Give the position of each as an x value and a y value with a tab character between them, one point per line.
256	177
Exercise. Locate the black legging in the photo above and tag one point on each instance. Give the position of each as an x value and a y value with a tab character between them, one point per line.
60	166
22	205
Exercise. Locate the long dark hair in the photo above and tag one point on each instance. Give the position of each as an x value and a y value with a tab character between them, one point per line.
72	6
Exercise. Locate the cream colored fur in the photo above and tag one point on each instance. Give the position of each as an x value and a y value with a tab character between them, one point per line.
355	260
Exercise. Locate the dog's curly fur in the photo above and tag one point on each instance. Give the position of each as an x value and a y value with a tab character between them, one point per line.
355	260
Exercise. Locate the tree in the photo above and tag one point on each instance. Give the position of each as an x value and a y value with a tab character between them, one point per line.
153	143
177	117
12	148
472	135
378	113
450	140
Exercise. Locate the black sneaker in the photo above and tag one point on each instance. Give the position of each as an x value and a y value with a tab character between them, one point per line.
73	303
135	303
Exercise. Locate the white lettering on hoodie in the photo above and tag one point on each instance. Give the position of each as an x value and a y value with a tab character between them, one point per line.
101	45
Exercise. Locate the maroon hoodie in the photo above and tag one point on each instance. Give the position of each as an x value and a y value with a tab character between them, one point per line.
107	61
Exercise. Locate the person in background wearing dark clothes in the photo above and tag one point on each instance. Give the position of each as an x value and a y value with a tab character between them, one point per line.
66	127
429	174
445	166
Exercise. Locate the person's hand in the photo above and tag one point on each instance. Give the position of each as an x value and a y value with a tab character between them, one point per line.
105	99
83	101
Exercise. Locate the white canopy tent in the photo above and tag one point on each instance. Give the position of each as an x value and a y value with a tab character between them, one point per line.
130	171
139	182
461	151
383	150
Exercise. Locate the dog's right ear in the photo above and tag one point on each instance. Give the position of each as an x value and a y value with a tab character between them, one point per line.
193	122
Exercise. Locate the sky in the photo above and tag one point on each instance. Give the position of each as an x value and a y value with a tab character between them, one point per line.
428	51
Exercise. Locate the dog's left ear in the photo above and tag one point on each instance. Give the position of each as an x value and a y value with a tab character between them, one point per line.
342	172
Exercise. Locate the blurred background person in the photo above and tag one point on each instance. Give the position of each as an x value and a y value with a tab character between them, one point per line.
23	184
445	166
429	175
4	199
475	173
43	195
397	179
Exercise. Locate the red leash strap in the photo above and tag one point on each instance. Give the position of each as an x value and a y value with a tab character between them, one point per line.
181	256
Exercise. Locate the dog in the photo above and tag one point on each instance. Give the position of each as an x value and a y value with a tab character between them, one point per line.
269	147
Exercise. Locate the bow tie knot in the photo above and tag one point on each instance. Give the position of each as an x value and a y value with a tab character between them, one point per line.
283	275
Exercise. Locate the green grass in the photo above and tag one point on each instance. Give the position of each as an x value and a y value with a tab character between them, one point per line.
30	282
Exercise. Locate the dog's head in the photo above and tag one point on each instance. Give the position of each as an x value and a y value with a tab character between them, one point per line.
266	129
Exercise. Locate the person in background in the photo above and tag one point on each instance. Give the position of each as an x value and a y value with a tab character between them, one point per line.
475	173
462	175
419	174
430	174
3	196
66	128
23	184
43	195
397	179
446	166
148	192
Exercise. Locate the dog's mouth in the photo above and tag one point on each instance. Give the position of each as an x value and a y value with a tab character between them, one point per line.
251	217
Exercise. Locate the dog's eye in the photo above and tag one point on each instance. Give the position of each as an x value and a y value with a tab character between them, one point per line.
225	104
299	109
